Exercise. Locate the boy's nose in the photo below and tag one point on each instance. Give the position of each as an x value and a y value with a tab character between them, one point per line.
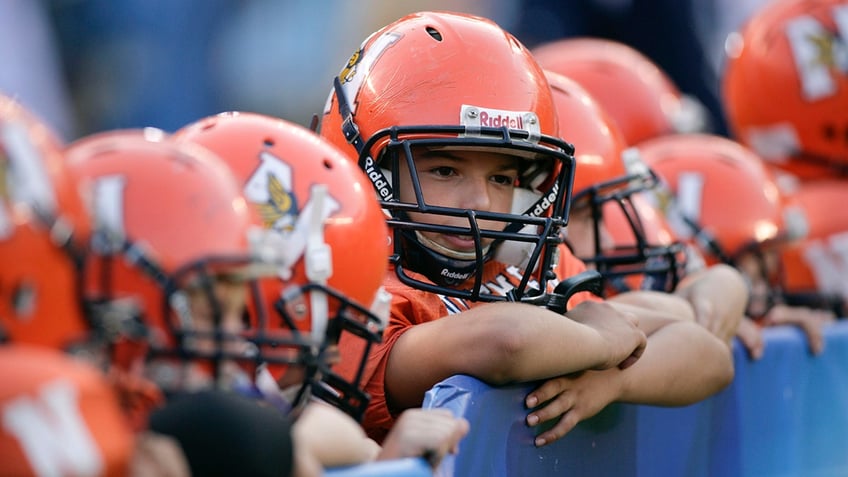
476	194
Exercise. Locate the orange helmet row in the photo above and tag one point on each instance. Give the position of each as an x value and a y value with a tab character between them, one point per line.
329	224
785	86
167	251
815	269
43	230
637	94
628	240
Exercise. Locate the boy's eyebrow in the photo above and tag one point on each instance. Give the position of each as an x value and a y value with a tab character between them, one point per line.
430	154
514	163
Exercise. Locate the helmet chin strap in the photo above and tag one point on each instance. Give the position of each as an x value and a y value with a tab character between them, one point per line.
319	263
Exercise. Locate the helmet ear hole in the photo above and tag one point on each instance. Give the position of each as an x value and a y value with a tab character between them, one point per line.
24	298
434	34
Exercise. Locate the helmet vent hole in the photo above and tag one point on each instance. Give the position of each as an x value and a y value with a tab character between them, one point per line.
23	299
268	142
434	33
328	164
829	132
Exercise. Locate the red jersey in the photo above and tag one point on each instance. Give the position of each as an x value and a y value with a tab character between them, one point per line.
411	307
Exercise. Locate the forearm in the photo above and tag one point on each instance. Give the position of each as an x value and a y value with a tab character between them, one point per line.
539	345
654	309
719	297
682	364
500	344
505	343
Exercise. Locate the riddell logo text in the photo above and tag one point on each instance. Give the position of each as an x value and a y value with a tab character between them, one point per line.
455	275
499	120
545	202
378	179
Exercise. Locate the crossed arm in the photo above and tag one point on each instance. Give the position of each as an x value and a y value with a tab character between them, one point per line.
502	343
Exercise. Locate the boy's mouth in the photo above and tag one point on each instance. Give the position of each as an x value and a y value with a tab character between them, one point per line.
459	247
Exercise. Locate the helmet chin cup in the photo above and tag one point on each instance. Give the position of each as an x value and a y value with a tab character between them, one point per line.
439	268
517	253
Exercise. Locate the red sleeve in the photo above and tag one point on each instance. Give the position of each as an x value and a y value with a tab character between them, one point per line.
409	307
567	266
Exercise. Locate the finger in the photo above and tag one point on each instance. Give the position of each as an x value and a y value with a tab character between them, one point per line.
563	427
814	336
634	356
751	337
460	431
445	439
548	390
551	410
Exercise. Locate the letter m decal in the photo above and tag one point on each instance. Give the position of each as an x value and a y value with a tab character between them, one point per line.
52	432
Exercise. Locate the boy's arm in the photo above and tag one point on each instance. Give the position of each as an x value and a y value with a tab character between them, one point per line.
682	364
654	309
719	296
502	343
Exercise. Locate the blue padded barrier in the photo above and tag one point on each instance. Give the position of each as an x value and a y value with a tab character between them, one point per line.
784	415
417	467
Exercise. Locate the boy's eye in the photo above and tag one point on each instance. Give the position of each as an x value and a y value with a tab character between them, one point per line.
504	180
443	171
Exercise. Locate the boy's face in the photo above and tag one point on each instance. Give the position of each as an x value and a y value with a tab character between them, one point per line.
752	268
581	232
476	180
231	298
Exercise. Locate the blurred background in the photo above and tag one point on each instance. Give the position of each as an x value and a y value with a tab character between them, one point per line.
91	65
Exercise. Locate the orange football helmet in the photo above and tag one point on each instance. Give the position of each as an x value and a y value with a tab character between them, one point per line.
785	86
59	416
608	182
466	85
815	270
336	244
175	250
630	87
43	226
711	176
728	203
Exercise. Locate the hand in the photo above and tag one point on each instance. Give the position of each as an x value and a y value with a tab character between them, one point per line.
619	328
157	455
811	321
751	336
331	437
570	399
430	433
